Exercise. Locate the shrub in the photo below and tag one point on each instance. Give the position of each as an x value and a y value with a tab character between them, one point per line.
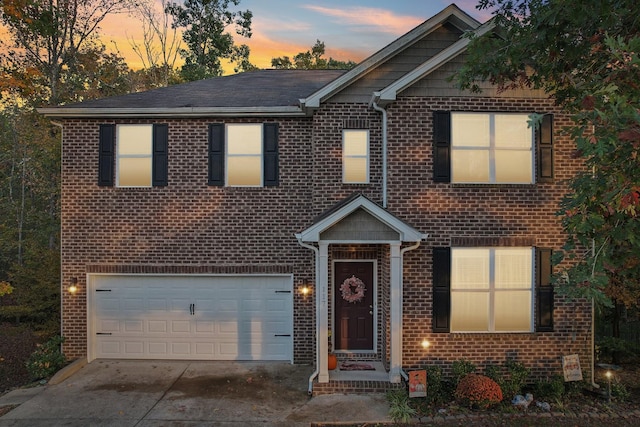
550	388
516	379
47	359
462	368
478	391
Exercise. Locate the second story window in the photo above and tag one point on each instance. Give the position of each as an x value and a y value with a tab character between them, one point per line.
134	155
244	155
491	148
355	156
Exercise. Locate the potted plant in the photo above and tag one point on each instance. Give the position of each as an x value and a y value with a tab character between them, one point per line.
332	359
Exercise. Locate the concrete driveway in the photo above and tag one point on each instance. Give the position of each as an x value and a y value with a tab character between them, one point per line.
174	393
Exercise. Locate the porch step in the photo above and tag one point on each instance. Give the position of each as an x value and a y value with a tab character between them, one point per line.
354	387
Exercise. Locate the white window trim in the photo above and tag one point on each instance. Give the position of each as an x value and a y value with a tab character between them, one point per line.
492	291
366	156
133	156
492	150
227	155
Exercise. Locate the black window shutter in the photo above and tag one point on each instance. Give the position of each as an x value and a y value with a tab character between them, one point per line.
106	155
442	146
270	152
544	146
160	155
441	289
544	291
216	154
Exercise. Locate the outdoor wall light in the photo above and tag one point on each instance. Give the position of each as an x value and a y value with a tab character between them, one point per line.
425	344
305	290
73	287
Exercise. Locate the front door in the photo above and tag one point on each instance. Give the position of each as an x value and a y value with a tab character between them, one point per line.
353	296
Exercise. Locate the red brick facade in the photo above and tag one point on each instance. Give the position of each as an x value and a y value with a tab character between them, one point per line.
189	227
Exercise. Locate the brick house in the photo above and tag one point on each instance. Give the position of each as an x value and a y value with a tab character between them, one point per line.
281	214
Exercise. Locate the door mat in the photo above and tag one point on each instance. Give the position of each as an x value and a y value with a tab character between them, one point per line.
356	366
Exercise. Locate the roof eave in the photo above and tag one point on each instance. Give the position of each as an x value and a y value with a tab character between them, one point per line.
183	112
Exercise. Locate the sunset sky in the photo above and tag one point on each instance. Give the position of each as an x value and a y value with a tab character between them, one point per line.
350	29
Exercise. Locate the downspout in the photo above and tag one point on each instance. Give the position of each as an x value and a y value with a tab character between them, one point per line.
402	251
384	148
317	370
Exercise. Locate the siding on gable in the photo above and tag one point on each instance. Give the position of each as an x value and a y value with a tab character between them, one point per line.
359	226
399	65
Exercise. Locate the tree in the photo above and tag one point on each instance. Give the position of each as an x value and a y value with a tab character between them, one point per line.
159	48
206	24
46	37
589	64
311	60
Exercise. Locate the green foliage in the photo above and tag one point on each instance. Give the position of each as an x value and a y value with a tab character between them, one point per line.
462	368
478	391
439	390
609	347
311	60
206	36
47	359
590	64
550	389
399	408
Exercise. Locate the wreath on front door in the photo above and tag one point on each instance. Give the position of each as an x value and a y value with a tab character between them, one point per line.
352	289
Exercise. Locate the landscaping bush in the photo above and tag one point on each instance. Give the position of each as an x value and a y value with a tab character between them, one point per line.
479	391
400	409
462	368
47	359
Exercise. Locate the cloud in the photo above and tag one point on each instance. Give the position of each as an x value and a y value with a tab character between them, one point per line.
381	19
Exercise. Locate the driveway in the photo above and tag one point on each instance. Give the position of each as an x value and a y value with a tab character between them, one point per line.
174	393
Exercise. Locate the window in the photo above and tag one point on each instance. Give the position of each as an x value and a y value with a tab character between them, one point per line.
243	155
135	155
491	148
491	289
355	156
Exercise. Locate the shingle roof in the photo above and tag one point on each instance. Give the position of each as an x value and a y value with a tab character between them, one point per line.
264	88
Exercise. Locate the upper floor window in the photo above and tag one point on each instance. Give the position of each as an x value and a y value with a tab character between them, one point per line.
355	156
491	148
133	155
243	154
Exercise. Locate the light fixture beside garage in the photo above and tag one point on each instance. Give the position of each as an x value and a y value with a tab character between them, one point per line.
73	287
305	290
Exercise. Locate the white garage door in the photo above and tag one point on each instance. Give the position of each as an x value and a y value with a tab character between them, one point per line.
190	317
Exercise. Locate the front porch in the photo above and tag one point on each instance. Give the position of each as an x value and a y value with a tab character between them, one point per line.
357	381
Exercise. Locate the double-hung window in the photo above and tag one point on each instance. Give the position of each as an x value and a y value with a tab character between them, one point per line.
492	289
491	148
243	154
355	156
133	155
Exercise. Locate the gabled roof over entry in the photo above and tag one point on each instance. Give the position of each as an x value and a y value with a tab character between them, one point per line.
351	206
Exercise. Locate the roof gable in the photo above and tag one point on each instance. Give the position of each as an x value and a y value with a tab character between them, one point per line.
352	206
452	14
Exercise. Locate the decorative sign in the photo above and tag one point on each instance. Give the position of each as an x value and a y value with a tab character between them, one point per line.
418	383
571	368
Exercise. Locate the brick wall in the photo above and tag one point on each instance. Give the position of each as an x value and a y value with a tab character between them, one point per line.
189	226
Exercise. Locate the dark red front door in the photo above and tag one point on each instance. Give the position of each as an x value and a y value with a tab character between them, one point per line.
353	326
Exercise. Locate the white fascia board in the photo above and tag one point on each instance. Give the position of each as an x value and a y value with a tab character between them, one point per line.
389	93
405	232
314	100
185	112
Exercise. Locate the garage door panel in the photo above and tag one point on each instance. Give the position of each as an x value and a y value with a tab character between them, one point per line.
192	317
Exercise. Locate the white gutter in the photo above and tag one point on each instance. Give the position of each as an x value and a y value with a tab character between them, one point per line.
317	370
384	147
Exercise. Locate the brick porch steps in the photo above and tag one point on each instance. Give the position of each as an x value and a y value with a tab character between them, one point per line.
357	382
